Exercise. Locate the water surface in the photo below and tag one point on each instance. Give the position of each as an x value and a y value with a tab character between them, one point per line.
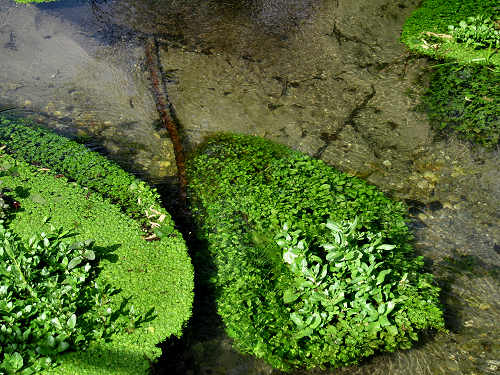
328	78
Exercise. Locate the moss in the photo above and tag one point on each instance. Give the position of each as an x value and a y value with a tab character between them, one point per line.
435	16
466	100
40	146
154	275
243	190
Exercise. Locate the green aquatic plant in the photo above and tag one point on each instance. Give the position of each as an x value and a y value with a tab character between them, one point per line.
313	267
49	300
478	32
474	28
155	277
75	161
463	92
6	168
465	100
353	281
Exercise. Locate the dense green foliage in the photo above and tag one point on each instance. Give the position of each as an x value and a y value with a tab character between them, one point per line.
150	289
48	303
463	95
41	147
466	99
478	32
427	30
296	285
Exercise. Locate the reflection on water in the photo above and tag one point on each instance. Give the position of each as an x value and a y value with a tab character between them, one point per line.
324	76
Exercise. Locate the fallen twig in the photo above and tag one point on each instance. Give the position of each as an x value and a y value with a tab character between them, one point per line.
164	109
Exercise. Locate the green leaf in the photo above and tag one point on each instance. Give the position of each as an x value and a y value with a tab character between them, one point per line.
303	283
373	328
384	321
393	330
290	295
297	319
51	341
89	254
71	323
62	347
390	307
381	276
56	323
386	247
13	362
74	262
316	321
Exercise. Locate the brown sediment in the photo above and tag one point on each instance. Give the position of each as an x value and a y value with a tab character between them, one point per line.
164	108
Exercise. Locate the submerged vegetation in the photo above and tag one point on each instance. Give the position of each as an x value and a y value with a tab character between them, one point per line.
116	296
466	99
463	95
313	267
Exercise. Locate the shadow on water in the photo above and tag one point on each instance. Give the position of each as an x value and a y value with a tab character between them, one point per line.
204	324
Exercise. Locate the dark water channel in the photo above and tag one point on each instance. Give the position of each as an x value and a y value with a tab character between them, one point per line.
327	77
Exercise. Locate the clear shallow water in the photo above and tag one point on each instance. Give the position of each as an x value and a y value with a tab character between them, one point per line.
326	77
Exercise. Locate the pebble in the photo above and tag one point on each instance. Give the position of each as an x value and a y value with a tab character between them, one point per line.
81	133
423	185
429	176
448	205
457	171
484	306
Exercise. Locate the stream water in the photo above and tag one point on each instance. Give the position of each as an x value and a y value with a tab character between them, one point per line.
327	77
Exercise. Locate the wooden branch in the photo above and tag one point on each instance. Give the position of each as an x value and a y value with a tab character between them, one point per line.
164	108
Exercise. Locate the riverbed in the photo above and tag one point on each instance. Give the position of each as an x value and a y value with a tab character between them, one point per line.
326	77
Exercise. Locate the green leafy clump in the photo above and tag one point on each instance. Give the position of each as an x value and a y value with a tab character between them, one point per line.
296	285
355	286
150	289
465	99
49	301
478	32
465	31
42	147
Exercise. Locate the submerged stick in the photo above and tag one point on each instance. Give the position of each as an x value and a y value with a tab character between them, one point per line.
164	109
